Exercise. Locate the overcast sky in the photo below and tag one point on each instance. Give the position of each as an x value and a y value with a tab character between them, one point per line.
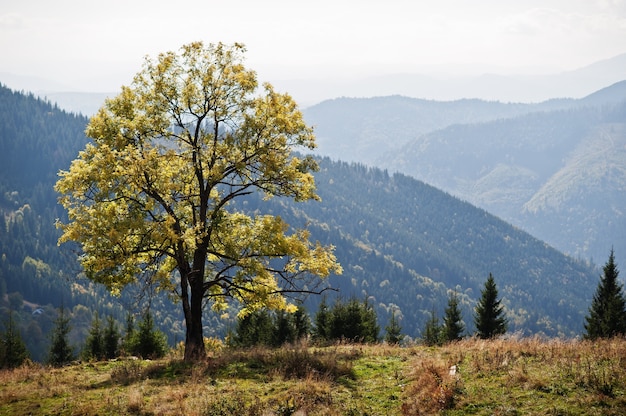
99	46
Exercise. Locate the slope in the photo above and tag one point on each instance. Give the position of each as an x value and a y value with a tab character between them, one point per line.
362	129
406	245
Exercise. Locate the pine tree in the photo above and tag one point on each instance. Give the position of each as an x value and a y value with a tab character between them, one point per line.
129	334
393	331
61	352
111	339
148	342
13	350
94	345
321	331
283	330
369	322
301	323
255	328
432	331
607	314
489	315
354	321
453	325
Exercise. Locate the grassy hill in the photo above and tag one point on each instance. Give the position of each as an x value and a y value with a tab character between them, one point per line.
505	377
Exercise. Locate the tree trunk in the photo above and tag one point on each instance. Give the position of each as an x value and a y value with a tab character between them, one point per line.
194	339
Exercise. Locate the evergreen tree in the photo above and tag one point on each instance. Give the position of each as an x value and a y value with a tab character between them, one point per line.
111	339
453	325
284	331
94	345
489	314
148	342
321	332
369	323
13	350
61	352
393	331
301	323
607	314
432	331
255	328
129	334
352	321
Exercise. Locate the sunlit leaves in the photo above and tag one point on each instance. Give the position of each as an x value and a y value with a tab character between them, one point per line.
152	193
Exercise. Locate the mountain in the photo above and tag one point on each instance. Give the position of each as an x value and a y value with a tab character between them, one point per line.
362	129
407	244
555	169
402	243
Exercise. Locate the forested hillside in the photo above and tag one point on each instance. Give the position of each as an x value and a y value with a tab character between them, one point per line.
556	169
37	139
401	242
407	245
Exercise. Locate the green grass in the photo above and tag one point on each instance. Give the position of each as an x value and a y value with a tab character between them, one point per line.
500	377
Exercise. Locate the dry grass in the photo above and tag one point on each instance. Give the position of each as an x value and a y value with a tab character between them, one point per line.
499	377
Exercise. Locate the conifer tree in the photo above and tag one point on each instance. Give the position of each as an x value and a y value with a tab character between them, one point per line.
13	350
129	335
607	314
148	342
111	339
453	325
354	321
283	329
489	315
94	345
321	331
432	331
61	352
301	323
393	331
255	328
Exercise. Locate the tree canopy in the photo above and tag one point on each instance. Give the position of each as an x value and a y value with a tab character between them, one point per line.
150	198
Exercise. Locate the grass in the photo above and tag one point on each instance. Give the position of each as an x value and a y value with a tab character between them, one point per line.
498	377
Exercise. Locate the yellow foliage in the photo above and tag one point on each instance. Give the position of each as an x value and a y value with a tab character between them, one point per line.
150	194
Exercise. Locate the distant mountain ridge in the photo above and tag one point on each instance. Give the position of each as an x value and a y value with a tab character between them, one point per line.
556	169
439	85
430	84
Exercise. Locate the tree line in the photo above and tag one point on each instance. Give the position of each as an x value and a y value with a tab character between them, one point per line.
104	341
353	321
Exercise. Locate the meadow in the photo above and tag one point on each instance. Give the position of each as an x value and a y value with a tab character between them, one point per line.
472	377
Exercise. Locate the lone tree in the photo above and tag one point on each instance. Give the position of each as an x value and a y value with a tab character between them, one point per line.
489	317
150	198
607	314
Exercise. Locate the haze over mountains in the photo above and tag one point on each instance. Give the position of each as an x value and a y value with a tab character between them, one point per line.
444	83
556	169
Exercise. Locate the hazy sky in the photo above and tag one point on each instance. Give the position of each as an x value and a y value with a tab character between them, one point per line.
99	46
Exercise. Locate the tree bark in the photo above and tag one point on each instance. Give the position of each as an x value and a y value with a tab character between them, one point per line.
194	339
